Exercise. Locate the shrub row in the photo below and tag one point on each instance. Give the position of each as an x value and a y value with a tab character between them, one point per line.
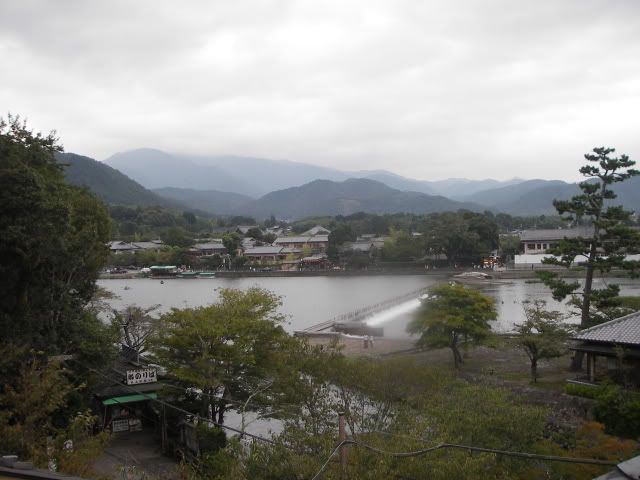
616	408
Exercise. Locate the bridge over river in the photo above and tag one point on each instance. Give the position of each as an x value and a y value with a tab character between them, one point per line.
358	316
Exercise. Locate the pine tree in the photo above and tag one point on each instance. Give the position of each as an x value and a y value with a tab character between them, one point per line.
606	248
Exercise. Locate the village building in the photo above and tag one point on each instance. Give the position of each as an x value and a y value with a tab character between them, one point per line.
209	248
318	261
535	244
316	243
266	254
541	241
317	230
248	243
119	246
153	245
618	343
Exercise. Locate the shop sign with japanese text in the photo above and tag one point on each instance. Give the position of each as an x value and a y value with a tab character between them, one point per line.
142	375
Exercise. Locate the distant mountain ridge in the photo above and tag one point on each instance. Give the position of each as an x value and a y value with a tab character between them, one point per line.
157	169
258	176
535	197
373	191
326	197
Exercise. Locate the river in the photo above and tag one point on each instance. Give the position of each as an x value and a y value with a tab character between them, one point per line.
311	300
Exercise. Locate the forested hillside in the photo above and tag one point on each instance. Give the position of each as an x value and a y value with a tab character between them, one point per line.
109	184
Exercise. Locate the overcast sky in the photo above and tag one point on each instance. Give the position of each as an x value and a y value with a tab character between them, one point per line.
427	89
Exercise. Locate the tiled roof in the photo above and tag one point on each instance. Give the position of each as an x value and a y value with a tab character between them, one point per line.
623	330
318	229
149	245
292	240
556	234
268	250
209	246
120	245
302	239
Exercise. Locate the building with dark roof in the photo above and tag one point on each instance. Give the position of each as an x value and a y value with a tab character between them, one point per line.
618	341
265	254
540	241
209	248
118	246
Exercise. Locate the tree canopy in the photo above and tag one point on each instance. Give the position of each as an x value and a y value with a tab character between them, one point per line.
542	335
52	244
227	349
451	315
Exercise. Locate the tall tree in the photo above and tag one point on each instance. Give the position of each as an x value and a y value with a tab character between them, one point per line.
52	245
453	315
607	246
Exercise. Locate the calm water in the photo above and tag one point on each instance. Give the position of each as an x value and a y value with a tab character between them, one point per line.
311	300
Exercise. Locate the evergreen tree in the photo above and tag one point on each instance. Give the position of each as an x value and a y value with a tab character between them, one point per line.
606	247
52	245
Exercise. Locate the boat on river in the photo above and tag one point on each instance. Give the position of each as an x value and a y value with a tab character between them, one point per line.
188	274
475	277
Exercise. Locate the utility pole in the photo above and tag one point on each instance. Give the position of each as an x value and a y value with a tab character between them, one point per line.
342	436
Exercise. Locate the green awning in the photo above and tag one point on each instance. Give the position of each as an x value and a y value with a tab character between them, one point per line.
130	399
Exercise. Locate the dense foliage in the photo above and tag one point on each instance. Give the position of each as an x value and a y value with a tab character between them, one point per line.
618	409
226	350
52	245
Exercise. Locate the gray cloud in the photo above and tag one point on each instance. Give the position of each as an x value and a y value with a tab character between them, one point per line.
426	89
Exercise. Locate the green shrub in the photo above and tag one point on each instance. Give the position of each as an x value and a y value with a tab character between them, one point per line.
210	439
586	391
619	410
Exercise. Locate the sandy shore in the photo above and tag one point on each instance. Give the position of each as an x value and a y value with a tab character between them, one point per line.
354	346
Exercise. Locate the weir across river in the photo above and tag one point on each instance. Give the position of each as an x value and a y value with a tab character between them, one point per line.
359	315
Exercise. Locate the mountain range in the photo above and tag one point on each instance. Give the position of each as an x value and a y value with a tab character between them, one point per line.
255	177
232	185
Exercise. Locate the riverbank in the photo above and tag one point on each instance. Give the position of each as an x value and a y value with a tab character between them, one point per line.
503	274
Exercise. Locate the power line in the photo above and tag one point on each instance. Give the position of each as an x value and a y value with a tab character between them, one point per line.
443	446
